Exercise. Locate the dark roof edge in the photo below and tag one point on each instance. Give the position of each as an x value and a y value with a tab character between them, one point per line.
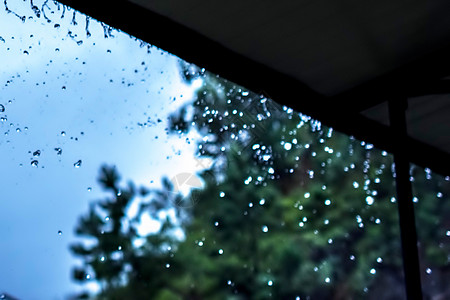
196	48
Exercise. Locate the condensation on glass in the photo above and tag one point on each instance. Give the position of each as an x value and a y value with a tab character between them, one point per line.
224	194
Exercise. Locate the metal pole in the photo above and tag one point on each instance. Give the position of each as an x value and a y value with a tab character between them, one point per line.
411	265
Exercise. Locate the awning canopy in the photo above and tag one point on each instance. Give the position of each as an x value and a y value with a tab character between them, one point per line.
338	61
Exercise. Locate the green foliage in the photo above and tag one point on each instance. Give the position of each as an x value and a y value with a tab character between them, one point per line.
289	209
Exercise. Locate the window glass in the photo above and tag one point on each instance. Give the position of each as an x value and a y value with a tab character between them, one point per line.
432	208
128	173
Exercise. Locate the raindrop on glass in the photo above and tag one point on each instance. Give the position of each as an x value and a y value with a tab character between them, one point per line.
270	283
77	164
37	153
373	271
369	200
58	151
59	232
34	163
428	270
2	108
265	228
220	251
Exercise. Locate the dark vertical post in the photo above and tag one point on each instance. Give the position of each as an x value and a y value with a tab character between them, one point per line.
411	266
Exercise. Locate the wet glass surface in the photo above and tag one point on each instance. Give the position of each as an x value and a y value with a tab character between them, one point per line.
127	172
432	207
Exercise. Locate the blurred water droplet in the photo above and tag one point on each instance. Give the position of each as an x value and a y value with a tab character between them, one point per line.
379	260
167	266
222	194
2	108
369	200
265	228
77	164
220	251
373	271
327	280
63	133
428	270
58	151
270	283
89	189
34	163
59	232
37	153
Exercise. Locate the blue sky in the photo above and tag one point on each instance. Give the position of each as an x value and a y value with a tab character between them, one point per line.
52	83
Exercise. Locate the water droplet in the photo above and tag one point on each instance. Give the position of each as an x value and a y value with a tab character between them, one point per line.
327	280
222	194
307	195
379	260
58	151
102	258
2	108
59	232
262	201
352	257
89	189
216	224
37	153
35	163
270	283
200	244
328	202
447	233
167	266
428	270
265	228
220	251
79	43
63	133
77	164
373	271
288	146
369	200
